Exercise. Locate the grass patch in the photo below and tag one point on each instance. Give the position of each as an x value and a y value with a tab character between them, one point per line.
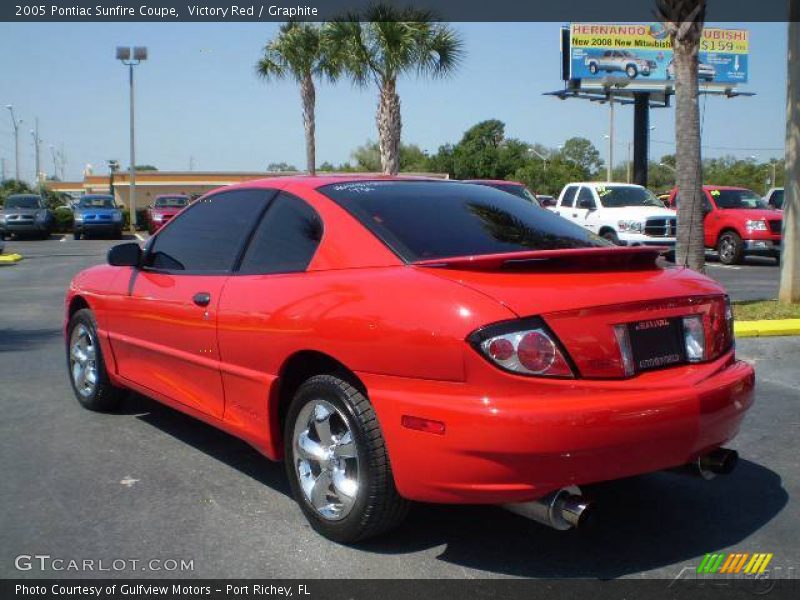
758	310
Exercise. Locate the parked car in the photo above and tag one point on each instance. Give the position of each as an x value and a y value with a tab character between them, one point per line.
164	207
620	60
397	340
512	187
705	72
97	214
738	223
545	200
622	213
774	198
25	215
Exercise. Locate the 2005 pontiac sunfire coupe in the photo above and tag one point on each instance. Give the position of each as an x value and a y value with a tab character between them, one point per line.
404	339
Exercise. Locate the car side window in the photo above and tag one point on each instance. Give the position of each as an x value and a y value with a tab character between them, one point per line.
569	196
285	240
707	207
585	198
209	235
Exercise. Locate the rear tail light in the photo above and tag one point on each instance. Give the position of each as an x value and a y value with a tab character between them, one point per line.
525	347
694	336
720	327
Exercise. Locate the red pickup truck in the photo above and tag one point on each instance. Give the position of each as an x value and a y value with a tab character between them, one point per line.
738	223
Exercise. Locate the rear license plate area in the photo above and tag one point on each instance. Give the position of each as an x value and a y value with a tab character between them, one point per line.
657	343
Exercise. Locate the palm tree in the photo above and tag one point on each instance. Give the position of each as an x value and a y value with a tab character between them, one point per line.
684	23
383	44
298	52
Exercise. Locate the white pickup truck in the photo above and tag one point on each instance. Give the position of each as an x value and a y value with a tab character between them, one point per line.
623	213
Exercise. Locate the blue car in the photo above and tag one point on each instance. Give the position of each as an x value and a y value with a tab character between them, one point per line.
97	214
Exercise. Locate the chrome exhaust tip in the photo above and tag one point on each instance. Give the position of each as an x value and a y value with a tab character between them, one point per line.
561	510
721	461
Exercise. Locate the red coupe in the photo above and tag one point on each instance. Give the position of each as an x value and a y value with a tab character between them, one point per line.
399	340
164	207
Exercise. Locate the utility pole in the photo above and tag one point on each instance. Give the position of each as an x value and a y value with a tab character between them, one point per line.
36	144
3	168
790	255
610	167
138	54
15	123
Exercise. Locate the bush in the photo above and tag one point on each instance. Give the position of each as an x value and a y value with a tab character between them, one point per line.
63	221
141	218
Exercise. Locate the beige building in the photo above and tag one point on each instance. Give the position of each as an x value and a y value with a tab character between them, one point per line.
150	184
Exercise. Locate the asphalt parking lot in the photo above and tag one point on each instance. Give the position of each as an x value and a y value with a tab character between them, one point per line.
149	483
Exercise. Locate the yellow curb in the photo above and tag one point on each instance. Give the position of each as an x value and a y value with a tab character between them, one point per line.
767	327
10	259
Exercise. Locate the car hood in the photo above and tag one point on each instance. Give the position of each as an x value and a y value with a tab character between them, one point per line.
21	211
752	214
639	212
166	211
96	211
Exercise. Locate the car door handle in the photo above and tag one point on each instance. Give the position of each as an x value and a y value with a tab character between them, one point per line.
574	214
202	298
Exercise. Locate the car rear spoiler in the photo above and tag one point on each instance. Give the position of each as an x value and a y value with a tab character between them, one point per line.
641	257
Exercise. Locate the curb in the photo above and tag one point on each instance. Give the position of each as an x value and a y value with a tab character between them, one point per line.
10	259
766	328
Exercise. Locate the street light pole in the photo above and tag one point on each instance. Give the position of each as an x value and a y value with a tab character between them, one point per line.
36	144
16	125
132	57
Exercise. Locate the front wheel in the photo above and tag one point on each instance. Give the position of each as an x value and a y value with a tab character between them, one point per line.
337	462
86	367
76	235
730	248
631	71
593	68
611	236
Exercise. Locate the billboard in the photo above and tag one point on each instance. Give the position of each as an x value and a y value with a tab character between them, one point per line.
643	52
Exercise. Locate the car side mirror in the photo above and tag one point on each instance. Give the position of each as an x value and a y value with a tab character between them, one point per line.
547	202
125	255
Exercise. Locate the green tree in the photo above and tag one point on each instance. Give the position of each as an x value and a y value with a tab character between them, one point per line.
581	152
299	52
12	186
145	168
368	158
683	20
280	167
380	45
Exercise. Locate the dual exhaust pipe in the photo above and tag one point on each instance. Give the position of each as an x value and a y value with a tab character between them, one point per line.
567	508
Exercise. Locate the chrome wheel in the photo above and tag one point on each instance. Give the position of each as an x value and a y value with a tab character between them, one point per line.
325	458
727	249
83	360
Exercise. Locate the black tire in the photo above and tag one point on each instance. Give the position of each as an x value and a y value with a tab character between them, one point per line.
377	507
593	68
611	236
631	71
76	235
103	397
730	248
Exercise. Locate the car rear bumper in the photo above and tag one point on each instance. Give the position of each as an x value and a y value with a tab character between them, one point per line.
517	443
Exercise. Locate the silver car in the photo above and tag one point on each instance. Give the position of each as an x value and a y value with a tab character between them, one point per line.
620	60
705	72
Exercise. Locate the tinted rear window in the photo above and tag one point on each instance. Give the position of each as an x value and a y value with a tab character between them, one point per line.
427	220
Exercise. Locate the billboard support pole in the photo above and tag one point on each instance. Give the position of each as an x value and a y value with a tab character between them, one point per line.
641	132
610	167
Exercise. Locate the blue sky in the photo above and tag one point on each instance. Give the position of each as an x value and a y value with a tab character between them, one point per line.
197	98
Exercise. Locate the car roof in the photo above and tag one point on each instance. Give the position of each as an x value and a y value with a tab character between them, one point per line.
725	187
490	181
23	196
603	184
313	182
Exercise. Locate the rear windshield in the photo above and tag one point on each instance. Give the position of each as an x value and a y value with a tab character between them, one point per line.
23	202
737	199
97	202
518	190
423	220
620	196
171	201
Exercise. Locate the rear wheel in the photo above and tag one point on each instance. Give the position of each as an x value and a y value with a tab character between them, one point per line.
730	248
631	71
337	462
593	68
86	367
